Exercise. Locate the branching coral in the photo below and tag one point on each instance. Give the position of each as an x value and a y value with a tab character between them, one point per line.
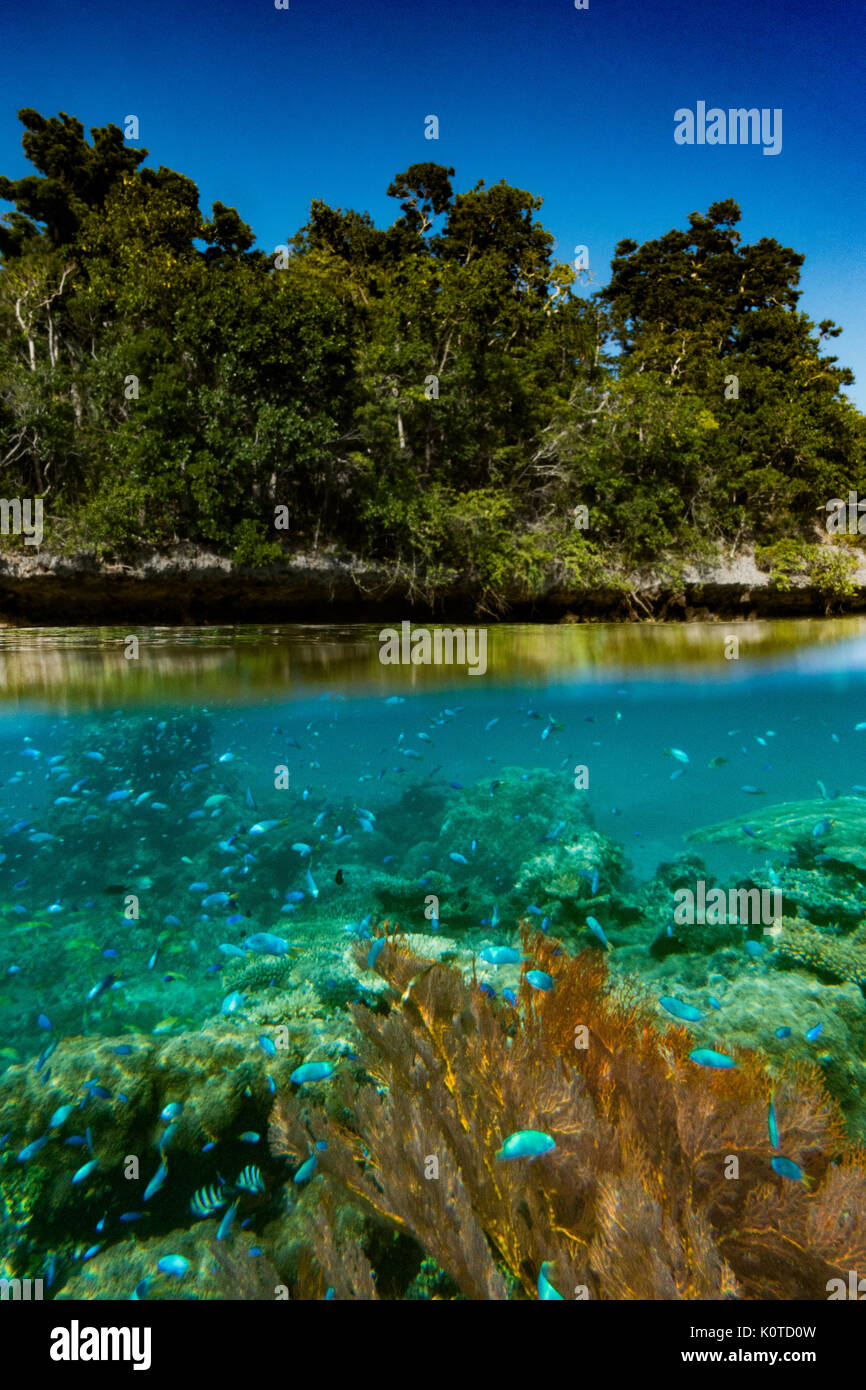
839	958
660	1185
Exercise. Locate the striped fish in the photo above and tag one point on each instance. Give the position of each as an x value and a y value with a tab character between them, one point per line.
207	1200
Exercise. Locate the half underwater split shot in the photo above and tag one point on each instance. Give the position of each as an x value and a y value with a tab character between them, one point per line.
327	978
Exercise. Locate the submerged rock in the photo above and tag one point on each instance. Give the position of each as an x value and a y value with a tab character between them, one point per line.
832	829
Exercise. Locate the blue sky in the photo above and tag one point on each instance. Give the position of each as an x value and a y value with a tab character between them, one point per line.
269	108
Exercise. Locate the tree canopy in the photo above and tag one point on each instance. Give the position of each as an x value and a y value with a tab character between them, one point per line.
434	394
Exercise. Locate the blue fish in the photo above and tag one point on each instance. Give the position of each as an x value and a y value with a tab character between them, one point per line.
677	753
500	955
754	949
679	1009
815	1032
375	952
598	932
167	1137
129	1216
526	1143
510	997
264	943
539	979
783	1032
713	1001
171	1111
173	1264
232	1003
787	1168
250	1136
45	1055
221	899
546	1291
306	1170
267	1045
84	1171
226	1223
458	858
101	1092
772	1125
60	1116
705	1057
311	885
32	1149
487	990
156	1182
311	1071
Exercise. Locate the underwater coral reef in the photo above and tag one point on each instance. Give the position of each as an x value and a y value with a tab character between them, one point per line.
456	1040
660	1179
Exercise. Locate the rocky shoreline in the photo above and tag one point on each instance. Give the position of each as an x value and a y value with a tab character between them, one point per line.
188	585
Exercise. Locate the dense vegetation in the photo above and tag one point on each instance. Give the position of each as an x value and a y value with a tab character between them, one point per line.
434	394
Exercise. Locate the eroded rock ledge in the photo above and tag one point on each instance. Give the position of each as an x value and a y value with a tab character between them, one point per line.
190	585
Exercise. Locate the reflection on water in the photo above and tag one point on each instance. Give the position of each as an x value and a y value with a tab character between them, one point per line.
89	667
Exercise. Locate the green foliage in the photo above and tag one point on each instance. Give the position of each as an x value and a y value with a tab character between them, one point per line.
783	560
252	546
832	572
432	395
830	569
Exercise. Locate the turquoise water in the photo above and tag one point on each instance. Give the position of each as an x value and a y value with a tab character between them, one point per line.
138	844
